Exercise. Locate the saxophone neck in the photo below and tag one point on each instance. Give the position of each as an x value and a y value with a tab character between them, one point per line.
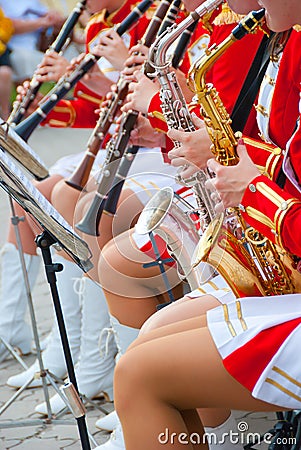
159	49
198	70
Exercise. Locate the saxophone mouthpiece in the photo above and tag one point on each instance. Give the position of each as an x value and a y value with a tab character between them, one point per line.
248	23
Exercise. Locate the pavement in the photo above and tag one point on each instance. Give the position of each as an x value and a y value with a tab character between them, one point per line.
20	427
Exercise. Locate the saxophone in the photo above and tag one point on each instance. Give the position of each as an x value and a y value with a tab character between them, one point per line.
166	213
251	264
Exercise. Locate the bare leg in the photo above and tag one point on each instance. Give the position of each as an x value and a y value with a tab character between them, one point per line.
128	208
121	274
182	309
153	385
64	198
184	313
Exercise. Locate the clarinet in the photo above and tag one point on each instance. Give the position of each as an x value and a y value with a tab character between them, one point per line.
61	41
107	114
116	148
90	222
67	82
130	154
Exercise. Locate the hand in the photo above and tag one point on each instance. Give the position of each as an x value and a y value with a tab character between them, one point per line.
145	136
52	18
194	149
52	67
138	54
112	47
231	181
140	93
97	82
21	92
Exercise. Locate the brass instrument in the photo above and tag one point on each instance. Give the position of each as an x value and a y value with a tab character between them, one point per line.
107	113
249	262
171	217
130	154
61	41
164	213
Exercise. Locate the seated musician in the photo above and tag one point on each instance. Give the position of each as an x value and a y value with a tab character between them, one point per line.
77	112
268	380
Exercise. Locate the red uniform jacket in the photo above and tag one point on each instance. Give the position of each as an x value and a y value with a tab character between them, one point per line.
273	211
80	111
227	74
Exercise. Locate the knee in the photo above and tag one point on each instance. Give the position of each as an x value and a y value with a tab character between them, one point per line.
127	379
153	322
109	263
62	193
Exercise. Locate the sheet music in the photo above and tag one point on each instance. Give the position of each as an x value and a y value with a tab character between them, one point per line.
11	142
43	208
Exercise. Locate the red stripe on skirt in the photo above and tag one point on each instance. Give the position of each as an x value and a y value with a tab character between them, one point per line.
247	363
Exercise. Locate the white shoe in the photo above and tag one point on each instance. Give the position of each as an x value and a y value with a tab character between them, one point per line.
94	371
32	373
13	299
108	422
116	441
53	355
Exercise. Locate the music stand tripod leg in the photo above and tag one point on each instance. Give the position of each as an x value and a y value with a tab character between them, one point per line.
44	241
15	222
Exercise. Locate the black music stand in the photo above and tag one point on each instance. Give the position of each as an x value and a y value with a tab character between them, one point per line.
57	232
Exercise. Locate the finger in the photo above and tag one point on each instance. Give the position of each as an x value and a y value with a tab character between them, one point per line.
132	86
138	74
213	165
176	135
176	152
189	170
199	123
126	107
178	162
241	149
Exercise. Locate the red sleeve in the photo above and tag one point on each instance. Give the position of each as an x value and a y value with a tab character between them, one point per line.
273	212
76	113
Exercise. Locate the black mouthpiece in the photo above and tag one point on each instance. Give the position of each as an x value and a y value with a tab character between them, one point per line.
248	23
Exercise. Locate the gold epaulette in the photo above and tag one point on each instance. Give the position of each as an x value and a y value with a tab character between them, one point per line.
227	16
206	22
97	18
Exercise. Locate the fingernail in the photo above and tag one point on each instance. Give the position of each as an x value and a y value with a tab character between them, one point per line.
240	141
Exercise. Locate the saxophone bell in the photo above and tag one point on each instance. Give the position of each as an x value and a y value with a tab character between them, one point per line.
170	217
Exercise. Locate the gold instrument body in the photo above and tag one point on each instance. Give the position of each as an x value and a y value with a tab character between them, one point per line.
249	262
